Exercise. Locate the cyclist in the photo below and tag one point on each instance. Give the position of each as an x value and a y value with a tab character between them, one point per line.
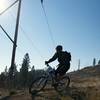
64	59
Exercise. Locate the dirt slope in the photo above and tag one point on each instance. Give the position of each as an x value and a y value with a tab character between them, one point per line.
85	85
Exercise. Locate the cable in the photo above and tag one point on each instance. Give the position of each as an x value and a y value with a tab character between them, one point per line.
23	30
8	7
6	34
25	34
31	41
49	28
9	37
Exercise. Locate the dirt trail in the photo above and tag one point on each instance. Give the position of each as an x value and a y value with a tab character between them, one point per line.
85	85
50	94
71	93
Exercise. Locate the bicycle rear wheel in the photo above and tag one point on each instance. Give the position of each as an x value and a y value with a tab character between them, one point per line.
37	85
62	84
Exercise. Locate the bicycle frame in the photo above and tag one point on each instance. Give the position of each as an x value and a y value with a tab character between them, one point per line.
50	72
49	76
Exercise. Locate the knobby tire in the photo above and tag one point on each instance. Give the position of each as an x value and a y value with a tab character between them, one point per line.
62	85
40	82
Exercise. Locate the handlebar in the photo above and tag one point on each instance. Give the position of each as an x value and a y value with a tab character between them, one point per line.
49	69
47	65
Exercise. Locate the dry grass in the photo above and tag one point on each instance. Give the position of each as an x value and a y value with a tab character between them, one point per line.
88	93
81	88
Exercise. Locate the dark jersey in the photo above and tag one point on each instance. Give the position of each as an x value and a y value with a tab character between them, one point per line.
63	57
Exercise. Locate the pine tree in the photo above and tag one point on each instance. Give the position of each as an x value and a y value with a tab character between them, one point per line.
99	62
24	70
33	72
5	72
94	62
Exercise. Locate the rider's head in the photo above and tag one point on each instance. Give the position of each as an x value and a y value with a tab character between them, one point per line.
59	48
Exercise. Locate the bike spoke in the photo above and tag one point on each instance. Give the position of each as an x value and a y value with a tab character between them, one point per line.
63	83
37	84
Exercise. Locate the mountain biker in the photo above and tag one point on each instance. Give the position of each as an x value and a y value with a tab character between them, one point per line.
64	59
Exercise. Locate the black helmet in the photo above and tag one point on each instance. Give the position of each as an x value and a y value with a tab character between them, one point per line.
59	48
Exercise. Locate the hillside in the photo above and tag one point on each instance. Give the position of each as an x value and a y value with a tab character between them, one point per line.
87	77
87	81
85	85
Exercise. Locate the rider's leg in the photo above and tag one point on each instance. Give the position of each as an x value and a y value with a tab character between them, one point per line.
61	70
57	71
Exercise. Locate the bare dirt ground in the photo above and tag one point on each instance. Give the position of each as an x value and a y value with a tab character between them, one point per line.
85	85
73	93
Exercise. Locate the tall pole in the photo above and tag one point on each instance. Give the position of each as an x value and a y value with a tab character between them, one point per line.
15	39
79	64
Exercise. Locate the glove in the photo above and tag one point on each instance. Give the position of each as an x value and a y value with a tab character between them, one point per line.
46	62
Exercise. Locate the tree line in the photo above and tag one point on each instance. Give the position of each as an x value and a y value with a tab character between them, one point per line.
22	78
95	62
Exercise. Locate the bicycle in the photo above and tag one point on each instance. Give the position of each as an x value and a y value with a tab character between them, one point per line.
39	83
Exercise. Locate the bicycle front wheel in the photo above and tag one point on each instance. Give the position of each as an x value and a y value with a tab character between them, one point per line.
37	85
63	83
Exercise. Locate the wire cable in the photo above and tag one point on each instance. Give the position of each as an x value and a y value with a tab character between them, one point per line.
10	38
6	34
8	7
28	38
49	28
23	29
37	50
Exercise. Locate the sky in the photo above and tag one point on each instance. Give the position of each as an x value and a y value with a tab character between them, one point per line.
74	24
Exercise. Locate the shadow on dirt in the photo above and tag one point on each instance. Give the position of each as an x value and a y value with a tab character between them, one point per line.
5	98
67	94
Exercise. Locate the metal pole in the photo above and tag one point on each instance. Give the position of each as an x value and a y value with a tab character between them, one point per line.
6	34
79	64
15	39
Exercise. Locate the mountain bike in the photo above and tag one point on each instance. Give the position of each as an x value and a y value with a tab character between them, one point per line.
49	78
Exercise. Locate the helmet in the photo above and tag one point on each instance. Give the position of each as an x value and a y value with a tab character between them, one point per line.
59	48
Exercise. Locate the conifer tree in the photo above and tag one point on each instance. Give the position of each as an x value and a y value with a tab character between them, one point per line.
24	70
99	62
94	62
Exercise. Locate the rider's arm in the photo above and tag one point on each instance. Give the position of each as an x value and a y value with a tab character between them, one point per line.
53	58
